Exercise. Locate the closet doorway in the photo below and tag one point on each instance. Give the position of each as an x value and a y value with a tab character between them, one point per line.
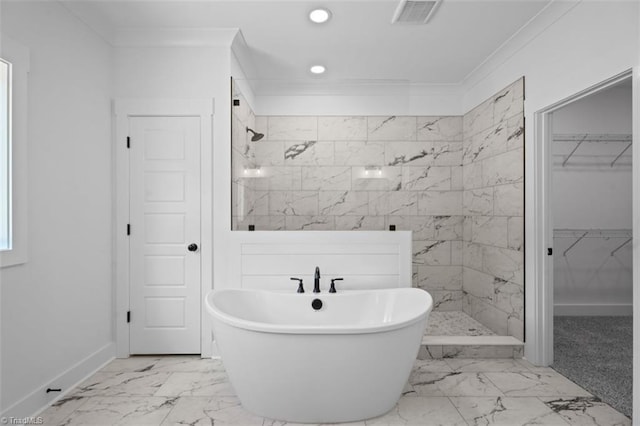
590	199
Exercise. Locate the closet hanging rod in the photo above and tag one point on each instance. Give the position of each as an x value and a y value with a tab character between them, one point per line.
620	155
574	243
621	245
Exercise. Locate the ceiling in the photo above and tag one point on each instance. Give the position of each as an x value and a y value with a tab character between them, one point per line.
359	43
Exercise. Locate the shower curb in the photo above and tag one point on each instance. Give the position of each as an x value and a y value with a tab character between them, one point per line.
435	347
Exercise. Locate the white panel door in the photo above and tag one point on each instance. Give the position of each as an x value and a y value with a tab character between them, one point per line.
165	232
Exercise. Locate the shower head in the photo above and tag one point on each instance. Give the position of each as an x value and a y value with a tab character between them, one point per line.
256	136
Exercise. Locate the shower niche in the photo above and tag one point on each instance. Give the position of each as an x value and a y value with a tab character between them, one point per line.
456	182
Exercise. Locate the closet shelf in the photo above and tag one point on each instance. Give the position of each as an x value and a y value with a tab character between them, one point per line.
579	139
579	234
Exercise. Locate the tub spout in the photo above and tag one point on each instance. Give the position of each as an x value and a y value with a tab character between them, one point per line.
316	281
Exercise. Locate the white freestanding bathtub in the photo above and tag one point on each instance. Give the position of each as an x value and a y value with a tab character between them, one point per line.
348	360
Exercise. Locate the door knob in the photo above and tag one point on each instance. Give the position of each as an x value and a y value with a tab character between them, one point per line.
192	247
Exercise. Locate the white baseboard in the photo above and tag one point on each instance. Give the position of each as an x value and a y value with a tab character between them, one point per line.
592	310
38	400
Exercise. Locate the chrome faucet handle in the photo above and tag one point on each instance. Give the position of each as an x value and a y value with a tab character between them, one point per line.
300	287
332	289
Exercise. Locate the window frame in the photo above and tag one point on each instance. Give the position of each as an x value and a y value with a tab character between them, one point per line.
18	56
6	243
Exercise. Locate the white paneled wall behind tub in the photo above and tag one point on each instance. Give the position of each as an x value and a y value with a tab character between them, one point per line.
366	260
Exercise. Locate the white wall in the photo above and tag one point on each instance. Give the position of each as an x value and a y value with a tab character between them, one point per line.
56	311
370	99
582	44
189	73
588	280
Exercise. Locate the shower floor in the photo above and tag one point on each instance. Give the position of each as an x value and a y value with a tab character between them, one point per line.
456	335
455	323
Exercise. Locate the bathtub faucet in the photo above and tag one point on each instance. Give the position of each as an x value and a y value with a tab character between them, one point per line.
316	281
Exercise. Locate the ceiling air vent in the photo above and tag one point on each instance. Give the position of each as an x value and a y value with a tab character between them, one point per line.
414	12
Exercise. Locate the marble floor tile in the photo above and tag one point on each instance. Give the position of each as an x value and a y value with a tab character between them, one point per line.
133	363
485	365
420	411
535	384
121	410
197	384
121	384
225	411
506	411
196	411
586	411
453	384
187	364
165	363
178	390
61	409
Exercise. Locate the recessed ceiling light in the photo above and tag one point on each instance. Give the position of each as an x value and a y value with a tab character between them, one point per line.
317	69
319	16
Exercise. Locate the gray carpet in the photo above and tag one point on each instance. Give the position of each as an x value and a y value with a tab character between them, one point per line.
596	353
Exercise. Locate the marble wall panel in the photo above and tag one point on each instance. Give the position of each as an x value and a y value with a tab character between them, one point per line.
291	128
515	239
293	203
439	128
478	202
432	252
447	300
279	179
342	128
486	313
423	153
362	173
337	203
504	168
326	178
515	132
393	128
493	205
440	203
509	297
456	252
472	255
447	227
307	153
509	200
261	223
269	153
489	230
309	223
434	277
504	263
478	284
457	178
472	175
422	226
382	203
426	178
358	153
360	223
390	179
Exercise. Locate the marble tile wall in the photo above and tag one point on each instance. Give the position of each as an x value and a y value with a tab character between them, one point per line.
493	209
456	182
358	173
